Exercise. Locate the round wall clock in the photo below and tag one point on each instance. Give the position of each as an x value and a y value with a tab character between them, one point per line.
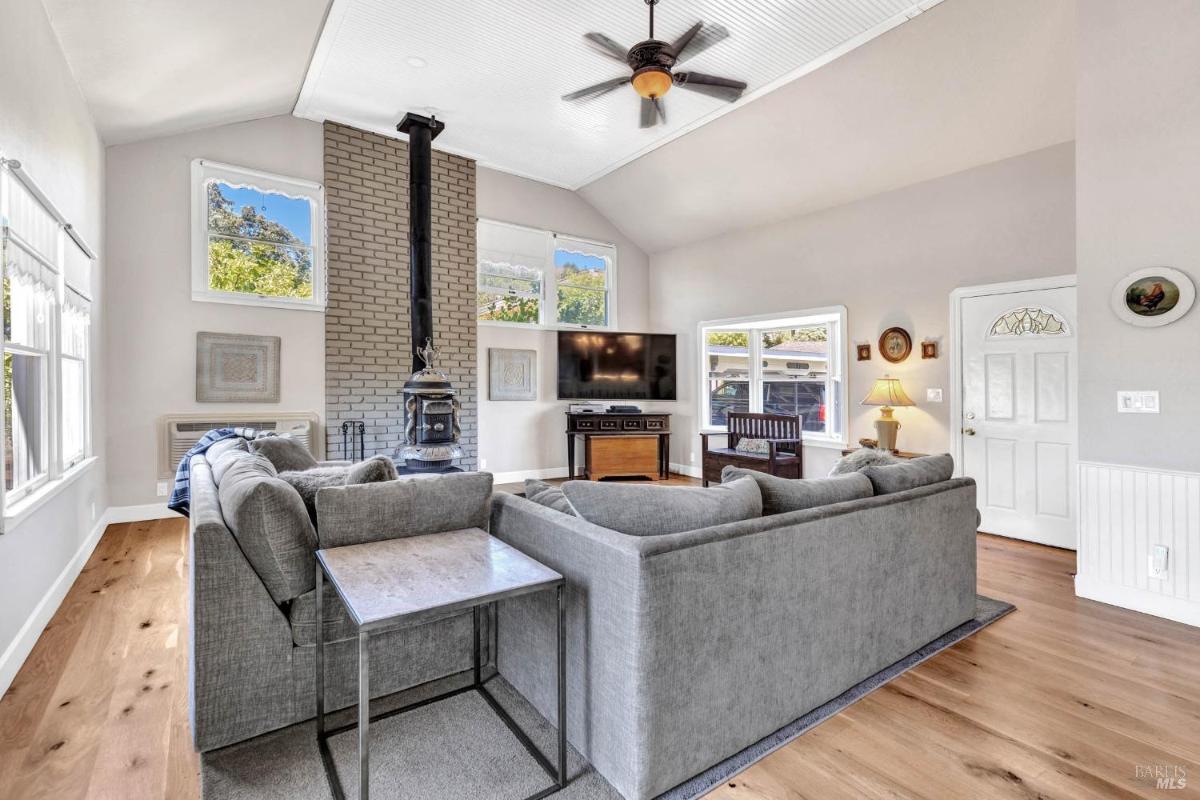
895	344
1153	296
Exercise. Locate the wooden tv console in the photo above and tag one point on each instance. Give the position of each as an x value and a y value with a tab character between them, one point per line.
621	444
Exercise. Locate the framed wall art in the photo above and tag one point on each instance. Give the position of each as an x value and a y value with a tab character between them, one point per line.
237	368
512	374
1152	297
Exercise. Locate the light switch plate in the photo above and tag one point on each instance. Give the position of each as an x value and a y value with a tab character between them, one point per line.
933	395
163	488
1141	402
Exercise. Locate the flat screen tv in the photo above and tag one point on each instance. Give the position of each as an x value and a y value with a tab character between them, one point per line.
601	365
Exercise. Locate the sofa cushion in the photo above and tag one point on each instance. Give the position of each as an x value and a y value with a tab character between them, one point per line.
302	614
286	453
648	510
780	495
222	461
906	475
410	506
271	525
547	495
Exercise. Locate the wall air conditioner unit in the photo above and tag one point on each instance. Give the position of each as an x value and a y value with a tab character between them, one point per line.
178	432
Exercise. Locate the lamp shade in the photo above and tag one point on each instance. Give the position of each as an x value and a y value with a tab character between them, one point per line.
887	391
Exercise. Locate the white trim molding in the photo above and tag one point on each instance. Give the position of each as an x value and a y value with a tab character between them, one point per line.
1124	511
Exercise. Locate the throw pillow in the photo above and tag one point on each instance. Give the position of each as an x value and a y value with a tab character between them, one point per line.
373	470
413	506
862	458
234	444
760	447
547	495
653	510
307	482
286	453
780	495
271	526
911	474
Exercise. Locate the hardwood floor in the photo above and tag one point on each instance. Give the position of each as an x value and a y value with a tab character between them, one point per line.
1066	698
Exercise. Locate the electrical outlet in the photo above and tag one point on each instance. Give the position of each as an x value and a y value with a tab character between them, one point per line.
933	395
1159	561
692	458
483	463
163	488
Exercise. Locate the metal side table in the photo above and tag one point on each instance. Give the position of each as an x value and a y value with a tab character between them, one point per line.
383	584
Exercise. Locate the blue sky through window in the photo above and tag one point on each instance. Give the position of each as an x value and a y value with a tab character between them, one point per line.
562	257
293	213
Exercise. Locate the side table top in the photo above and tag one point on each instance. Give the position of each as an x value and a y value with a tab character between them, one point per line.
386	581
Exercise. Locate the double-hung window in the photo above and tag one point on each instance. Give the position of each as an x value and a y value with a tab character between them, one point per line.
257	238
75	382
47	310
781	364
540	278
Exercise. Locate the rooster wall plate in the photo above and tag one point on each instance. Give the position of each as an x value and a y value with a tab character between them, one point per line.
1152	297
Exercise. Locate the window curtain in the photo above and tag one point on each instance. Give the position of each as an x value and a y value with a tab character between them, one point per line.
31	297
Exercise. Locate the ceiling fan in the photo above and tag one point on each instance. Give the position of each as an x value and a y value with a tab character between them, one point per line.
652	61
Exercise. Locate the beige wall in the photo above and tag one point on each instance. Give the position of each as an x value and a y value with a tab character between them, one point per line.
892	259
154	319
45	124
528	436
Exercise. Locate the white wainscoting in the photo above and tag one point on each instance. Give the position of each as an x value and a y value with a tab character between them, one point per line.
1123	513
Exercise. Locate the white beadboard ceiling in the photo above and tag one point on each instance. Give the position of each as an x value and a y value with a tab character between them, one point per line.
494	70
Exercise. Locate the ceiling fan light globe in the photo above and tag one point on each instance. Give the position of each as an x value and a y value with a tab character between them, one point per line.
652	82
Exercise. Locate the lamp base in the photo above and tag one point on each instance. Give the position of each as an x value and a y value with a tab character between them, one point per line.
886	428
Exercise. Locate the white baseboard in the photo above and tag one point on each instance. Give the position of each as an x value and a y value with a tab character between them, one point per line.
1135	599
117	514
520	476
22	644
687	469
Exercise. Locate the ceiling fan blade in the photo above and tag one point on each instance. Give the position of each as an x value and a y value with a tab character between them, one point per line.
606	46
725	89
697	41
597	90
660	108
680	44
648	117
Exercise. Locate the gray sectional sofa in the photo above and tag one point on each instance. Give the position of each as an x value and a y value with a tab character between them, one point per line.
685	644
685	648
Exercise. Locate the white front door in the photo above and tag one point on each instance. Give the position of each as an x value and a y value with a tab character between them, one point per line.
1019	433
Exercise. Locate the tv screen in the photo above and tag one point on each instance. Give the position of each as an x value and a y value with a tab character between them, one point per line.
595	365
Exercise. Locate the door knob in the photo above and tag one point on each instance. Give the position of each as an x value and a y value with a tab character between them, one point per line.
969	431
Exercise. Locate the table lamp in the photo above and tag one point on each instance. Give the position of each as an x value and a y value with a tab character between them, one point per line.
887	392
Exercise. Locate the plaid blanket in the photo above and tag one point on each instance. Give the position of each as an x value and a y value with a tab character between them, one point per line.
181	495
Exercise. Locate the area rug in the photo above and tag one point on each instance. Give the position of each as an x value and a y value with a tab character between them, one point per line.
458	749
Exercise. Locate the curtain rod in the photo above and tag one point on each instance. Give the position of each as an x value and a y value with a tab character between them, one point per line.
29	183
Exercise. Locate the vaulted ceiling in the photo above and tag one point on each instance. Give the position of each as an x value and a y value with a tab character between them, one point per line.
846	98
968	82
154	67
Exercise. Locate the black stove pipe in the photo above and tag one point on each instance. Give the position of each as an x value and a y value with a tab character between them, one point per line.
421	132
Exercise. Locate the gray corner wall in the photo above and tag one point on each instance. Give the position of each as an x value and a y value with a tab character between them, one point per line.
368	347
1138	169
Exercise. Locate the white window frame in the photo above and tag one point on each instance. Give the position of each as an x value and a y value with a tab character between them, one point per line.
16	505
204	171
836	379
548	302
